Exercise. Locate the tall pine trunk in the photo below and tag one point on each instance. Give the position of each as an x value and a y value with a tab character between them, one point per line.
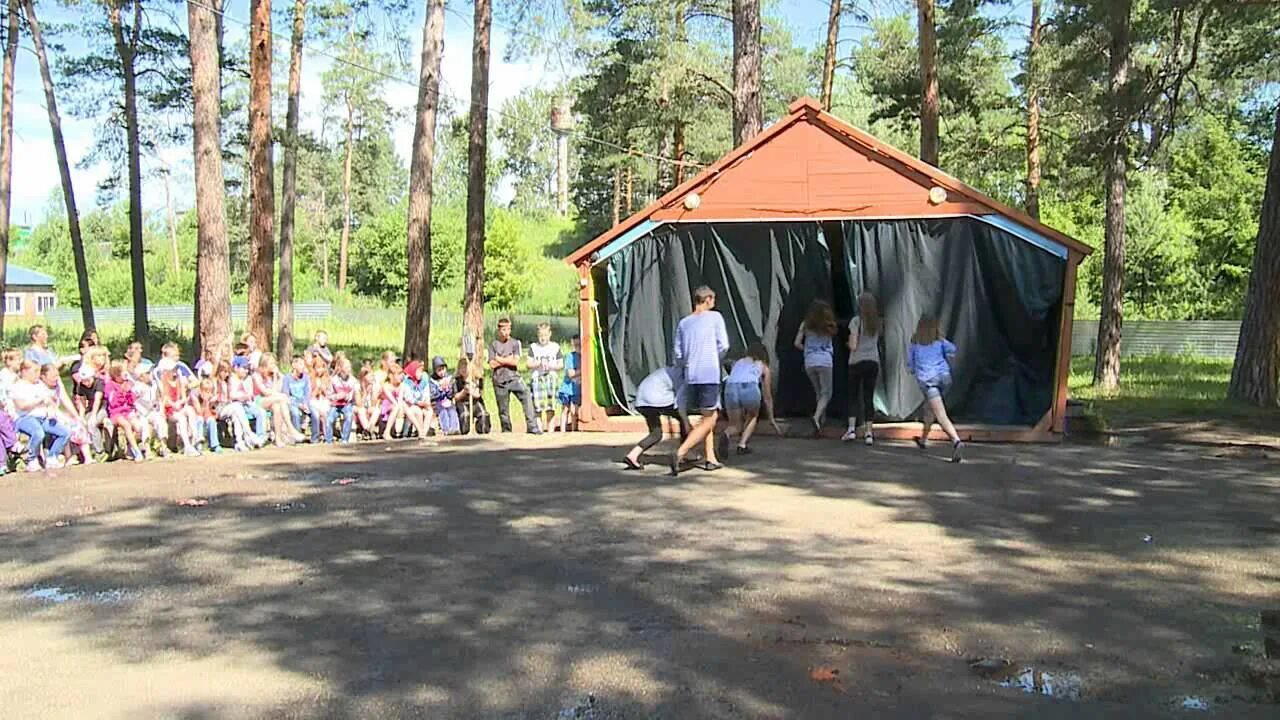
829	57
1032	74
289	182
417	314
345	238
929	99
1106	369
477	152
748	113
1254	376
6	142
64	168
171	220
213	286
127	51
262	207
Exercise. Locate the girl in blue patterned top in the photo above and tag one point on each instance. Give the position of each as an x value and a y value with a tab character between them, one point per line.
815	340
929	358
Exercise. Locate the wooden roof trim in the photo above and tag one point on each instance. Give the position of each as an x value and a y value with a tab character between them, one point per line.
678	193
808	108
942	178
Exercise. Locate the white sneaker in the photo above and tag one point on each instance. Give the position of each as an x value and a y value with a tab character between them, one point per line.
850	434
869	440
191	451
55	463
87	460
34	466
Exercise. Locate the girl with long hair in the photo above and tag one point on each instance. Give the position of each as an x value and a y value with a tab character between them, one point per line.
814	339
929	359
750	381
864	366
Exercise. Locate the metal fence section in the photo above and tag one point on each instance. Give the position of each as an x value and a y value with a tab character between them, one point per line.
1202	338
177	315
563	326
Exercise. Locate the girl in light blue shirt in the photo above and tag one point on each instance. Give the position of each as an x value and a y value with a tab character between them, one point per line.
929	359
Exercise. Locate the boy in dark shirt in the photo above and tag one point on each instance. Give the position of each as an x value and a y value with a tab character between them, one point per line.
504	360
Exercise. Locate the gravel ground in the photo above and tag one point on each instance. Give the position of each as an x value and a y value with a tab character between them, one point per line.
524	577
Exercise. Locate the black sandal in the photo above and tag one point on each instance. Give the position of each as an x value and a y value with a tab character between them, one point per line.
632	464
709	466
744	450
675	464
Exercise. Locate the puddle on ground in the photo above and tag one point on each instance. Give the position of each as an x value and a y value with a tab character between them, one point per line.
1059	685
58	595
1063	686
1194	703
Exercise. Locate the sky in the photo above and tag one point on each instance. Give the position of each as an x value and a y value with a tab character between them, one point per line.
35	167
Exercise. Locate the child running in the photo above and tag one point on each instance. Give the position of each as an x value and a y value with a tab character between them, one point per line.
814	339
657	396
748	383
864	366
929	359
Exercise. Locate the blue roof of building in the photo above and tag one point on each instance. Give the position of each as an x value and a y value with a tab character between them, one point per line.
15	275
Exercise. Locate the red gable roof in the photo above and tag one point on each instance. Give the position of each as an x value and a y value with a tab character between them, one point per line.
810	165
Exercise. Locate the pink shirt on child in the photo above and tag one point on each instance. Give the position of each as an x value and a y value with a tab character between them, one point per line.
120	398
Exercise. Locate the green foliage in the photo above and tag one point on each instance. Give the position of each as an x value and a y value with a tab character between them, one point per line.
507	279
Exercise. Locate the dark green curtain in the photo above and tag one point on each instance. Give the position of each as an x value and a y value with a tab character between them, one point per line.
998	298
765	276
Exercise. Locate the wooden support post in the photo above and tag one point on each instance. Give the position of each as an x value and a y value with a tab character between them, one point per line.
1063	373
588	411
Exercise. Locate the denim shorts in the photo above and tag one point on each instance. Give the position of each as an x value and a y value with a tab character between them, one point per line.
742	396
934	387
703	396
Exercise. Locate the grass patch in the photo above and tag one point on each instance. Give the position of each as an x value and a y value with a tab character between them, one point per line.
1168	388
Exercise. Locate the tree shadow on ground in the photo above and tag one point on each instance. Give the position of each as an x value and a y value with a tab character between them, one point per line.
474	580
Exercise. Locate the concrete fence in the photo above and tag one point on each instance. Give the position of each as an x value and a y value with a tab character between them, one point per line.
1202	338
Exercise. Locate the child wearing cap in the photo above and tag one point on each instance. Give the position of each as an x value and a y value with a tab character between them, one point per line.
233	411
442	398
242	392
87	394
150	409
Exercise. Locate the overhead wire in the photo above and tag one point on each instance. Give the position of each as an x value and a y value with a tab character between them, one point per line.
441	92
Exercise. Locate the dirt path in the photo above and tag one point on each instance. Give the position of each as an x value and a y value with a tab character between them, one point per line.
529	577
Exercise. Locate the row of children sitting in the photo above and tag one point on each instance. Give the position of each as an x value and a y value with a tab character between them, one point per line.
128	407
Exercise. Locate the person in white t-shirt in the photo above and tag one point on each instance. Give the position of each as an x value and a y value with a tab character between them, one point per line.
36	409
